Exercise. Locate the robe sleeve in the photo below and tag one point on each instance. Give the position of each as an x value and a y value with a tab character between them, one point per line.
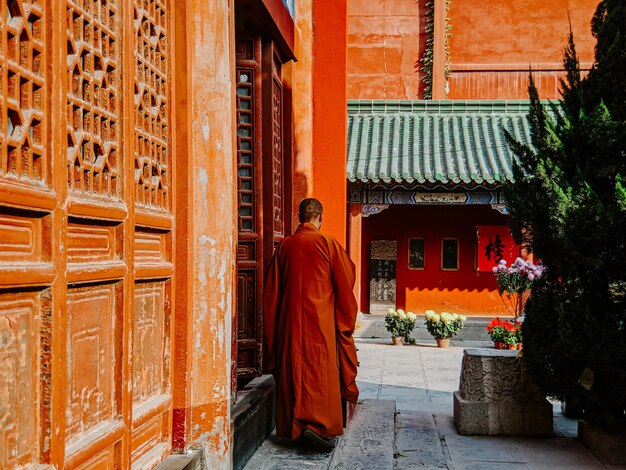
271	305
343	275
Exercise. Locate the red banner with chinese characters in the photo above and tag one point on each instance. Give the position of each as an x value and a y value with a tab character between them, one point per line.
494	244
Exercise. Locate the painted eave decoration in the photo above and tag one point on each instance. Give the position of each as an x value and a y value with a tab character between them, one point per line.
460	142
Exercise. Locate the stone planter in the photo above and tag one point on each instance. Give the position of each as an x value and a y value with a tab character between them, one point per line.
497	398
443	342
397	340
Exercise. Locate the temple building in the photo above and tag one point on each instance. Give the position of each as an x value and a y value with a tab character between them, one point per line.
432	90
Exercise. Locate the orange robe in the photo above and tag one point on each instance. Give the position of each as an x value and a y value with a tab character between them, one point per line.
309	317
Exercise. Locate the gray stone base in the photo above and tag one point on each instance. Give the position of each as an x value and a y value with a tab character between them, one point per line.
496	397
192	460
253	418
608	448
502	418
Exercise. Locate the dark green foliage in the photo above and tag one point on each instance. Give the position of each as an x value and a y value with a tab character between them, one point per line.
568	206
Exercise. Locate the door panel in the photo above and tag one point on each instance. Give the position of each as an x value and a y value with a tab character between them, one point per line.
153	234
249	179
86	232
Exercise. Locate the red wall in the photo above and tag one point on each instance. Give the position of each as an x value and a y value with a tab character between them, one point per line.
464	291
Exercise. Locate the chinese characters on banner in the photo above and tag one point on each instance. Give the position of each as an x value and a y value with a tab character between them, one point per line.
495	243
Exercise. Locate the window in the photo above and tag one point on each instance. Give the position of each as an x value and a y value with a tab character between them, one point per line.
450	254
416	253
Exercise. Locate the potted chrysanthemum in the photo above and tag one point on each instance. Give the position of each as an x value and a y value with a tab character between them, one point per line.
400	324
444	326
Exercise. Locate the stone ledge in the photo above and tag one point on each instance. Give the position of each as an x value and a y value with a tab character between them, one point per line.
252	418
608	448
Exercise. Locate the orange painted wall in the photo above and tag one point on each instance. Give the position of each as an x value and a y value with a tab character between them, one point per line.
386	38
464	291
318	82
492	43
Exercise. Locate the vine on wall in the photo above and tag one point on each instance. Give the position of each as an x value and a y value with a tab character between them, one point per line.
427	57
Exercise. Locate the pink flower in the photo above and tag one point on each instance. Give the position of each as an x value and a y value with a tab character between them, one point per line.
531	277
494	270
502	262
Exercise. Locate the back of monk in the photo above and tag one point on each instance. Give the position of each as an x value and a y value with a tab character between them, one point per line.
310	314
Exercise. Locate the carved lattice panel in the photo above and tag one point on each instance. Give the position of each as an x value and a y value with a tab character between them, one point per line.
22	93
152	154
24	326
245	149
277	153
93	99
93	349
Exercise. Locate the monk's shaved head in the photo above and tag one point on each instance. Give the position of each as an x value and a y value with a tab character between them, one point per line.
309	209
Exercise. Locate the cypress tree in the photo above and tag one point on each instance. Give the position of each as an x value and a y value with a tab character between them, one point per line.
568	207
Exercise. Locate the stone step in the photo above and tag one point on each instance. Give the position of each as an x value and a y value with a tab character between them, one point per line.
368	443
373	326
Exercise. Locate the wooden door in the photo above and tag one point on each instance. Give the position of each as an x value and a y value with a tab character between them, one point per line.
250	207
86	232
261	190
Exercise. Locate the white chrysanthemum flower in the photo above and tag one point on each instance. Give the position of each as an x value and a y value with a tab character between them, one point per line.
411	316
401	315
391	311
462	318
400	311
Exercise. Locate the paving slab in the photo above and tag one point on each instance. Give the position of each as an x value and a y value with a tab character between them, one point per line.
417	443
282	454
368	441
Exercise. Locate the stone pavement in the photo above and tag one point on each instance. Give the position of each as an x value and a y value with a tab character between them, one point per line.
421	379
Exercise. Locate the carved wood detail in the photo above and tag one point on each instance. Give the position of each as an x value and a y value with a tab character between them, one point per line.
24	329
152	132
93	98
246	149
22	114
150	342
87	243
94	345
277	153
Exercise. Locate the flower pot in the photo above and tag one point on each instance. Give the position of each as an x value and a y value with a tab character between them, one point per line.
498	345
511	346
519	346
397	340
443	342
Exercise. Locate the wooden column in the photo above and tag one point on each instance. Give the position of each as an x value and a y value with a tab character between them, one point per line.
355	232
207	216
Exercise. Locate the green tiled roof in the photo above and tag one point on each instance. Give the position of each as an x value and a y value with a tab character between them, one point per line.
433	141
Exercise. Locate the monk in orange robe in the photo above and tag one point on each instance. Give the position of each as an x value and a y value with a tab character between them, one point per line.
310	314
